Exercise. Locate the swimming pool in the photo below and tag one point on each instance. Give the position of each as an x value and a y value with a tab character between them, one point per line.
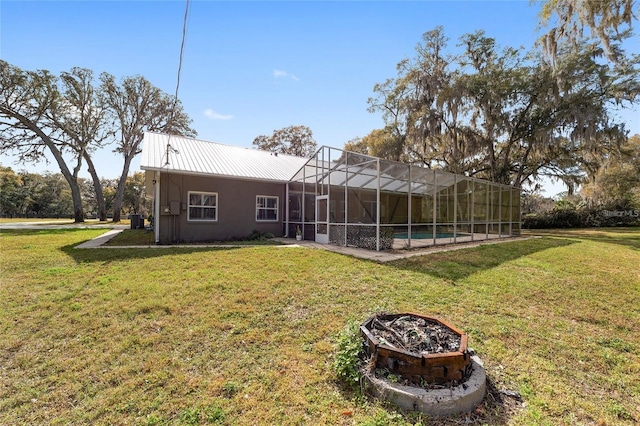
425	235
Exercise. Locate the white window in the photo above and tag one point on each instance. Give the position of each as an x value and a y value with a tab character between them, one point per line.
203	206
266	208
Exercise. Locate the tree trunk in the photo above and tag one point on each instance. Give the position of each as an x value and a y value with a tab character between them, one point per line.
78	213
97	186
117	202
72	180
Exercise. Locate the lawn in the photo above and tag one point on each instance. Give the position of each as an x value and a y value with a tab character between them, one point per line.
56	221
36	220
247	335
144	237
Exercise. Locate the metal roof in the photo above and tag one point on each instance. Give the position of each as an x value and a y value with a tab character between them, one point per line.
179	154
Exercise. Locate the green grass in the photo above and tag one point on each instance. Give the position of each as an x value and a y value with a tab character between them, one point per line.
133	237
58	221
141	237
35	219
248	335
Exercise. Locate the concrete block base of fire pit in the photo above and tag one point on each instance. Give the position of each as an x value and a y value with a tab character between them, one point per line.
462	398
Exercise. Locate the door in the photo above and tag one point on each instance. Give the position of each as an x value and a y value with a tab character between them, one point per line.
322	219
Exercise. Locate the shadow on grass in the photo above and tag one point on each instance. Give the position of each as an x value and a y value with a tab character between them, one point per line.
118	254
132	237
46	231
113	254
139	237
107	254
628	236
458	264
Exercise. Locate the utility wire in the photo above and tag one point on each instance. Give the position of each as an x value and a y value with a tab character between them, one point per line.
175	97
184	36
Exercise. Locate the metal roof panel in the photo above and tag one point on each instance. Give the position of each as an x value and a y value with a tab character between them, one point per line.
179	154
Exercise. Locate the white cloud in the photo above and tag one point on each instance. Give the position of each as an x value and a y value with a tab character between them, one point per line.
280	73
209	113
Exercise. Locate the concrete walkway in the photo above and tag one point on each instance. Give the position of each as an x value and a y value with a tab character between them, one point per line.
99	241
389	256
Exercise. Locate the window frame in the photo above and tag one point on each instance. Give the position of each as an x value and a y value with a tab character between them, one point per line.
189	206
277	209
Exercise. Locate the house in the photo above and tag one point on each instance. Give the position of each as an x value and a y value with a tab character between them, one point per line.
206	191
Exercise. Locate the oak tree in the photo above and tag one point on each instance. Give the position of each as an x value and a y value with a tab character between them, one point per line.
616	182
608	21
379	143
292	140
137	106
84	123
28	100
500	113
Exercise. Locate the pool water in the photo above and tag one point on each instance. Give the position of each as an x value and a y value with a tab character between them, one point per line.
425	235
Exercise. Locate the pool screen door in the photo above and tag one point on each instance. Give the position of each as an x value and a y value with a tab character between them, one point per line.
322	221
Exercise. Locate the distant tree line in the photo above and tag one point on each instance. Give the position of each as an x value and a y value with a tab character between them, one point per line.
47	195
72	115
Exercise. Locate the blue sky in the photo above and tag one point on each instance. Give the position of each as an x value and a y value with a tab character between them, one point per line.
252	67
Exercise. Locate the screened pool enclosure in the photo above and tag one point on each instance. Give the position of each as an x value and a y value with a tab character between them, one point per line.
344	198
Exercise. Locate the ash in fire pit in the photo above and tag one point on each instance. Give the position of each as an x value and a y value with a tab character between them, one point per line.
415	334
418	348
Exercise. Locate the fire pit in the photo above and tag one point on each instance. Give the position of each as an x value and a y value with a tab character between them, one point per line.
419	348
439	374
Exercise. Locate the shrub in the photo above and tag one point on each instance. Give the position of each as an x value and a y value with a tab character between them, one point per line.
256	235
581	217
349	354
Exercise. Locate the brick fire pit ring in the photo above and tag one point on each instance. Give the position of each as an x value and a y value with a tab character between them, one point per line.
455	381
430	366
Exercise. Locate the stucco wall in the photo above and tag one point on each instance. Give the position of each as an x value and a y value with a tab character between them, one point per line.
236	208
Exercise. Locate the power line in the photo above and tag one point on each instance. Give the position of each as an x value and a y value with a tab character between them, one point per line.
184	36
175	97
